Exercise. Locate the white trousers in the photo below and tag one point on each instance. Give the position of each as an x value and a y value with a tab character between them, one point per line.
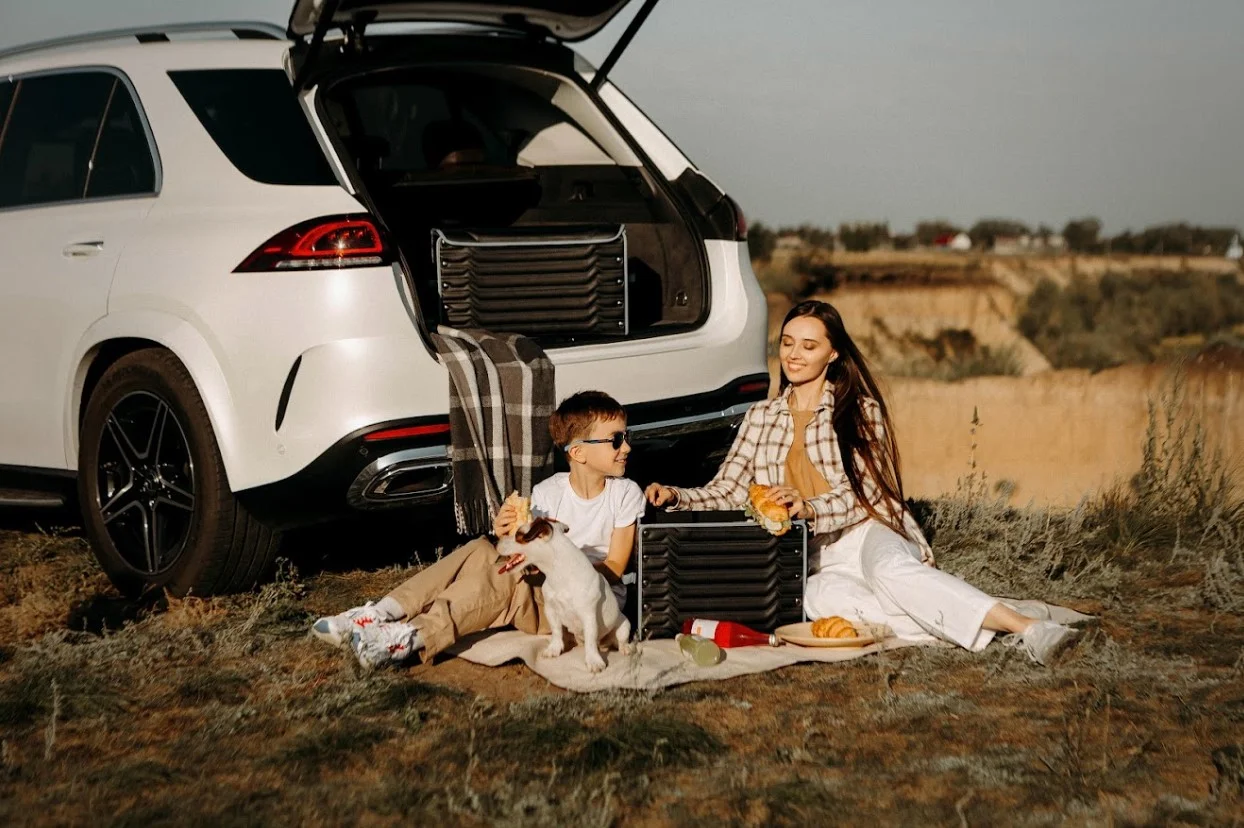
873	574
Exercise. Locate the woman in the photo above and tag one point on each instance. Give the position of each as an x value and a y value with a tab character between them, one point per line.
825	448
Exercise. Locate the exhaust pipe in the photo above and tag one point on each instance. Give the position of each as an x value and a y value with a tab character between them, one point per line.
403	478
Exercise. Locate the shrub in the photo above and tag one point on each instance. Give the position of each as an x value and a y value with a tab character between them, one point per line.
1126	318
954	354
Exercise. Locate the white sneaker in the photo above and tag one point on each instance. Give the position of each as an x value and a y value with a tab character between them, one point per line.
336	629
385	643
1030	609
1043	641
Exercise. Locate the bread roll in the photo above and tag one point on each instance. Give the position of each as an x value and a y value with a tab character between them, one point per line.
522	510
835	626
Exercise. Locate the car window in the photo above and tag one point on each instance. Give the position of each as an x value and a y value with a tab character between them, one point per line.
51	134
122	164
412	122
6	100
256	121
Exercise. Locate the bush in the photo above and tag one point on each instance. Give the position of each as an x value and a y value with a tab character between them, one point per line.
761	240
1125	318
954	354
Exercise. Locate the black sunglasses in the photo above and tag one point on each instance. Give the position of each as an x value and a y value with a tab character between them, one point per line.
616	441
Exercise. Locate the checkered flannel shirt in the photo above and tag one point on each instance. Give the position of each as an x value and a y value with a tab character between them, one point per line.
759	455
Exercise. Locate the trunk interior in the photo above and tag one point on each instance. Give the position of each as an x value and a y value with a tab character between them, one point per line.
517	204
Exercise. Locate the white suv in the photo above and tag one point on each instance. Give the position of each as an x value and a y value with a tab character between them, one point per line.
224	247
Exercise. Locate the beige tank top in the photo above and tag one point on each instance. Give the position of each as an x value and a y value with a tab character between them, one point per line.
800	472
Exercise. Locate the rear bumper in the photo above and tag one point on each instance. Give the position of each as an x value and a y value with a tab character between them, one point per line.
680	441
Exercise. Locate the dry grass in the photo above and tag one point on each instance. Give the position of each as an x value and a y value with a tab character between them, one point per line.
223	712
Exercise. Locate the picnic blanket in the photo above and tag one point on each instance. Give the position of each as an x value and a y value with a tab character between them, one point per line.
659	663
501	394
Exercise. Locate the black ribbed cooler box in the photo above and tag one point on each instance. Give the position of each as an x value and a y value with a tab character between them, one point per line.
547	282
717	565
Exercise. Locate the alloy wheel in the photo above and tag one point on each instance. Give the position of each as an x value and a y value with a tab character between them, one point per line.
145	474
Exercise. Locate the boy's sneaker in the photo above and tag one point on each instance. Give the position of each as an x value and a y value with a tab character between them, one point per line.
390	642
1043	641
336	629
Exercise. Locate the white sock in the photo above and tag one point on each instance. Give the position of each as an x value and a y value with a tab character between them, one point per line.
390	609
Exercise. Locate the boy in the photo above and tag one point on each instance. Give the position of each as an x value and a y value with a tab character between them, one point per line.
463	592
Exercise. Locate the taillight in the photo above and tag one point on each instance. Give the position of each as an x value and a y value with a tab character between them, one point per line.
409	431
752	386
328	242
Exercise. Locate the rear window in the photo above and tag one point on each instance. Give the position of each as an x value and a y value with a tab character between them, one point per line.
255	119
122	164
69	136
50	135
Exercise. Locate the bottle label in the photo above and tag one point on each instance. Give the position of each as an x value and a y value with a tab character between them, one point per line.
702	627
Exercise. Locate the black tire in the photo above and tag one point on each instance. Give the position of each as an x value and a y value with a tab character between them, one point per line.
156	504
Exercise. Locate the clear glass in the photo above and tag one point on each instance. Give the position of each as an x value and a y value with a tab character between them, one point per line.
703	651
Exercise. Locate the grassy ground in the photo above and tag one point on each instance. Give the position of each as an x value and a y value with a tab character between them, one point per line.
223	712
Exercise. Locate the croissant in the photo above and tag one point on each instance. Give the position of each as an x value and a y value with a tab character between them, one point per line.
835	626
766	511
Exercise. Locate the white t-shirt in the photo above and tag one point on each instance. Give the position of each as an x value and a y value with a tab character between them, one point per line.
591	522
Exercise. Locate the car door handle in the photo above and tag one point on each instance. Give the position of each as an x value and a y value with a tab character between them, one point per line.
79	249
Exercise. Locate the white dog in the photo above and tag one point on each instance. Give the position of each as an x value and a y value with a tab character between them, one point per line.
576	596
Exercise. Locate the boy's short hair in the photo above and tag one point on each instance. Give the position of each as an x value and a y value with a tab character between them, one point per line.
573	419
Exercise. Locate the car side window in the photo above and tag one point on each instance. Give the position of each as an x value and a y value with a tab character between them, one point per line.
122	164
51	135
6	101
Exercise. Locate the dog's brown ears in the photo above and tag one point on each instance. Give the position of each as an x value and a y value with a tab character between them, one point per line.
539	528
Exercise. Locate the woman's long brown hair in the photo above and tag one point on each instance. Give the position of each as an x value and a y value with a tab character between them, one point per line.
850	380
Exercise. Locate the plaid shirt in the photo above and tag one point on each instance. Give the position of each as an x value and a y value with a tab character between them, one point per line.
759	455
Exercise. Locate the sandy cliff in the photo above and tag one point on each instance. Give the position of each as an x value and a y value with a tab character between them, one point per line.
1052	436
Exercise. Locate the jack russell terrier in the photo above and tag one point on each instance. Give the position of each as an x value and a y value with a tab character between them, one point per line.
576	597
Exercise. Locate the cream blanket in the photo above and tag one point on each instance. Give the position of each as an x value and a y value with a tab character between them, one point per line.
659	663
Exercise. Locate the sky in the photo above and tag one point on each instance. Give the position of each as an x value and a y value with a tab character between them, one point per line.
824	111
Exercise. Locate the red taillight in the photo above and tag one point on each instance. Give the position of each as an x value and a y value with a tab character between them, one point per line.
328	242
752	386
408	431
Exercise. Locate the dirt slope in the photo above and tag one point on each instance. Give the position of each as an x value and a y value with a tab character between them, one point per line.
891	322
1054	436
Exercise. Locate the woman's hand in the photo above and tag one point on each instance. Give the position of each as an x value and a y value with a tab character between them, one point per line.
506	520
659	495
789	497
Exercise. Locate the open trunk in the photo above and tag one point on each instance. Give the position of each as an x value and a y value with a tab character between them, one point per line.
518	205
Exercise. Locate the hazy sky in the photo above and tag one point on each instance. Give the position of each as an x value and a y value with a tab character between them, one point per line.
828	110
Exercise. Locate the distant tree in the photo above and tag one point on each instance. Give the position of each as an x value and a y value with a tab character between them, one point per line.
1081	234
812	235
986	231
861	235
928	232
1125	242
760	241
1185	240
904	241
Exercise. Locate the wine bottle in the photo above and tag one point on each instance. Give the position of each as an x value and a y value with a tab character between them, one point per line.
703	651
728	633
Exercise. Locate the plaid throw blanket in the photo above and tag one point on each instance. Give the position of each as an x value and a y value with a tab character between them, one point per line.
500	398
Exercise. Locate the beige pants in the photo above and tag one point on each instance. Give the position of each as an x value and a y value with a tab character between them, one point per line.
462	593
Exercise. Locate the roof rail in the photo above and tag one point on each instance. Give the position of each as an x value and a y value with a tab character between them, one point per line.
248	30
